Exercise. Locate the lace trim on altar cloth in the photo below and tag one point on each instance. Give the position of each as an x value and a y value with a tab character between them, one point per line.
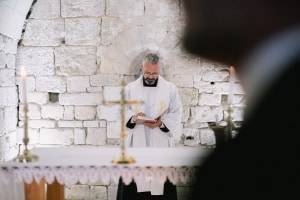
92	174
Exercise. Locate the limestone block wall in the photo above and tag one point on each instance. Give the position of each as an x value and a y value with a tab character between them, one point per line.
12	16
77	53
8	98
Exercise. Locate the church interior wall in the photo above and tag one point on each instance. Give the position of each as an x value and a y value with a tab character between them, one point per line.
76	55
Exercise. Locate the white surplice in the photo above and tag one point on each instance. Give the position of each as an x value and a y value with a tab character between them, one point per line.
156	100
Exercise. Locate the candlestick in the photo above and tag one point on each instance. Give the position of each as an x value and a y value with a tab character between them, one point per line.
26	156
231	84
228	131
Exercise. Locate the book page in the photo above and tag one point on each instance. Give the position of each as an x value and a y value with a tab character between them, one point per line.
142	119
161	114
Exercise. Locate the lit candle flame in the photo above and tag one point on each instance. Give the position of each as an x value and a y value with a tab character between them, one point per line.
23	72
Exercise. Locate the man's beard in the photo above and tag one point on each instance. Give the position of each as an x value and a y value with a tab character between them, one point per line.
150	81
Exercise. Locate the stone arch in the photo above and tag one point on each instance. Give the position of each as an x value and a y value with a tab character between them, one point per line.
12	21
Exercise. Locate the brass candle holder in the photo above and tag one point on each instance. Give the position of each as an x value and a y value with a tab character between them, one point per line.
227	106
26	157
228	133
123	158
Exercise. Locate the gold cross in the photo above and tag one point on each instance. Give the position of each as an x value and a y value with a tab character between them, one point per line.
123	158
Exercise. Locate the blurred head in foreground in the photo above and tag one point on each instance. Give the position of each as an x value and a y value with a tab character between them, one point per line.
261	38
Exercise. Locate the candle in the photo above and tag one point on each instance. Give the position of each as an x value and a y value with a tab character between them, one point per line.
23	78
231	84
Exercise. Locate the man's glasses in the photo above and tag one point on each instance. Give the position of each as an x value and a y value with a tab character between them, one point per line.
155	74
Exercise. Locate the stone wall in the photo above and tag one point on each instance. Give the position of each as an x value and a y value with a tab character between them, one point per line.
77	53
12	17
8	98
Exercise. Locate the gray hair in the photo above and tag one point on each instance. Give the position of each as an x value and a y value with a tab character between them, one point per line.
152	58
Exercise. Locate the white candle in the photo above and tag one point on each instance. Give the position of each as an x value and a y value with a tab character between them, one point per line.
23	78
231	84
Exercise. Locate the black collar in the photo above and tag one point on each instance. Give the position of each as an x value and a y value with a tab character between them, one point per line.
147	85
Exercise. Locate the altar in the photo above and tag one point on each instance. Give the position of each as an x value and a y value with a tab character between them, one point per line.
69	165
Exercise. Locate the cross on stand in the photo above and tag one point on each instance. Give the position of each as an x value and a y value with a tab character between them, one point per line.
123	158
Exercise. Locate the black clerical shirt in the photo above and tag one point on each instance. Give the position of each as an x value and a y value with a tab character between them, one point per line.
147	85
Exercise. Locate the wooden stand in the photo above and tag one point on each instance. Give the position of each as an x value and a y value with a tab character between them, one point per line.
35	191
55	191
44	191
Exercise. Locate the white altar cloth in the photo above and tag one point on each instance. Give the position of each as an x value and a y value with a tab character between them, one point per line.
69	165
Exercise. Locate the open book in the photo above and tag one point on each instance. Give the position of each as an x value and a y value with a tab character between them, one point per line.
143	119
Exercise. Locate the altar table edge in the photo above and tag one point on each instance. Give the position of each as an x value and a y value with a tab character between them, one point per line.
69	165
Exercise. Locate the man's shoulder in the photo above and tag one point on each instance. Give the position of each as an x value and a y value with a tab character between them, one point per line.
135	82
170	83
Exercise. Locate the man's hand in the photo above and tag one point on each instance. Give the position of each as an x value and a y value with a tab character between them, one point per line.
134	118
155	124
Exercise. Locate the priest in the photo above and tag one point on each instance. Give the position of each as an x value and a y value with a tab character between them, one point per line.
162	103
